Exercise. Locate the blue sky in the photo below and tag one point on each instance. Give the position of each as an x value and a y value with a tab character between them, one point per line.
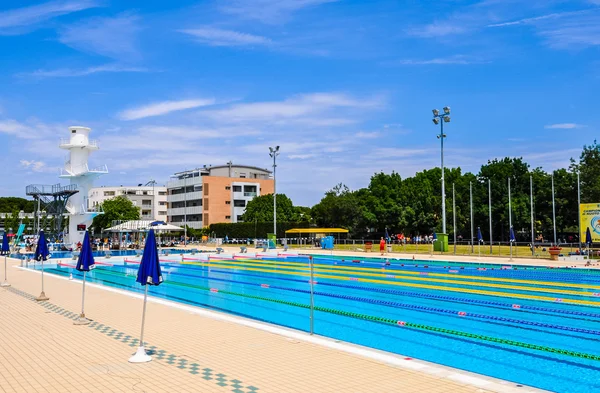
345	87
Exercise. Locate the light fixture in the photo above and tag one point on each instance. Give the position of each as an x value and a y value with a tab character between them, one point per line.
435	112
436	120
447	110
447	119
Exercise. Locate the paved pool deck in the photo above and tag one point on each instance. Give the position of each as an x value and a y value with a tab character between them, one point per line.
195	350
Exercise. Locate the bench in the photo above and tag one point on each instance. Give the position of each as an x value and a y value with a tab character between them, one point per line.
243	250
219	250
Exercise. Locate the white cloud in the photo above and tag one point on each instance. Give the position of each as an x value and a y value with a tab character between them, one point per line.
534	19
13	127
220	37
69	72
111	37
564	126
35	166
438	29
162	108
572	32
367	135
268	11
301	108
27	16
456	60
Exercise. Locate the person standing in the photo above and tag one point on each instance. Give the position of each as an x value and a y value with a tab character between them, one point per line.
382	245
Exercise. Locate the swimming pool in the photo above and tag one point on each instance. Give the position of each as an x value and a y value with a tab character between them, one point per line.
533	326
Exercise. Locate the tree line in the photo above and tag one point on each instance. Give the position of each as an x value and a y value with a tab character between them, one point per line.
412	205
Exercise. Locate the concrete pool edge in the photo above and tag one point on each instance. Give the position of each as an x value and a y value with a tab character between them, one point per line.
437	370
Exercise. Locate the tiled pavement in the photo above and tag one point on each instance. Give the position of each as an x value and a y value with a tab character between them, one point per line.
42	351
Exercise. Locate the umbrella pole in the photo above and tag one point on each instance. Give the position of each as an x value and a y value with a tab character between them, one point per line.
5	283
82	320
42	296
141	356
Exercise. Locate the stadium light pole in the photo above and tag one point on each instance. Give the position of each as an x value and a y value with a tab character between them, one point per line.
441	118
274	152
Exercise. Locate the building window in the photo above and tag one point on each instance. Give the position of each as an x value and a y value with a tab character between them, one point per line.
239	203
162	193
206	190
228	217
228	202
237	188
206	203
109	193
242	175
229	188
162	213
239	218
162	203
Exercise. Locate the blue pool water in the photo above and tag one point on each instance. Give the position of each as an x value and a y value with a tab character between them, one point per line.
445	309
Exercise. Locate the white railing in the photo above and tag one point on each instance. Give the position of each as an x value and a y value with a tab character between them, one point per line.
180	211
67	142
191	196
249	194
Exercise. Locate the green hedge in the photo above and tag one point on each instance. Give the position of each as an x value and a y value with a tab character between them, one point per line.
251	230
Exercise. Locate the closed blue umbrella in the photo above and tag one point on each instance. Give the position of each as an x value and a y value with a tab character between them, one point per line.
387	236
512	235
148	274
42	254
588	240
85	263
5	250
479	239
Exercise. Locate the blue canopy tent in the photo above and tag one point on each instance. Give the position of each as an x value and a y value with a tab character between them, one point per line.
5	250
148	274
85	263
42	254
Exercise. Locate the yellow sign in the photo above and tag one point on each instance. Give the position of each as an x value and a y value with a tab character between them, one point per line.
589	214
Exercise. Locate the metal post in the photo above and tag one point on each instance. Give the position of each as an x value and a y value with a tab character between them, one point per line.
454	215
144	315
532	226
275	199
184	213
509	218
579	211
312	298
83	297
443	182
38	216
490	212
553	210
471	207
5	283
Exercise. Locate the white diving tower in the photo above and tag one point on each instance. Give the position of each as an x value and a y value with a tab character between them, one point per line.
79	173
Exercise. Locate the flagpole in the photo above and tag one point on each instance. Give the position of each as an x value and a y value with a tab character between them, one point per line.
141	356
454	215
509	218
471	204
531	203
553	210
490	212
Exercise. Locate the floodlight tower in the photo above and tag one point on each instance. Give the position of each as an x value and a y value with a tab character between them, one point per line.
441	118
79	173
274	152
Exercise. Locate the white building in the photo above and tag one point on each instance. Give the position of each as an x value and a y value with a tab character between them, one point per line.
152	200
215	194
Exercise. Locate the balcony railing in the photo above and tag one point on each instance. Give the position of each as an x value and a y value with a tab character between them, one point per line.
249	194
67	142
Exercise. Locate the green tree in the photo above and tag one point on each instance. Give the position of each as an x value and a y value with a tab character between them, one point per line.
588	167
119	208
10	204
260	209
